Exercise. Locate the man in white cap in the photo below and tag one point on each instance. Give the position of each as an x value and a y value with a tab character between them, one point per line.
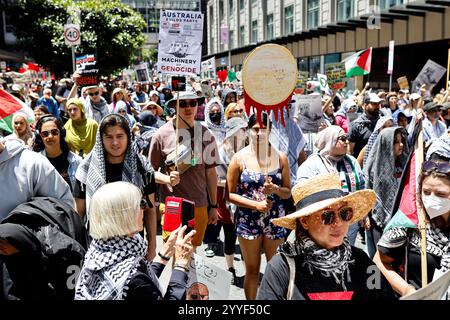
361	129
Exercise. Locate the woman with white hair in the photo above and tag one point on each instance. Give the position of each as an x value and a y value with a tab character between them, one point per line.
22	129
115	267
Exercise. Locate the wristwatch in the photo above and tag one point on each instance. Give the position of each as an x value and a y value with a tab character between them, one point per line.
213	206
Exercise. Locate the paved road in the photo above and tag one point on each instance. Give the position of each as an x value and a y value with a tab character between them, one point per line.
236	291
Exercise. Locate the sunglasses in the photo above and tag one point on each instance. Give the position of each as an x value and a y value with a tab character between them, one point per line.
440	167
45	134
143	204
343	138
195	296
186	103
329	217
96	93
238	111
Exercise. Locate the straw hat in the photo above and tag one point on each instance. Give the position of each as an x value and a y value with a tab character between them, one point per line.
152	103
319	192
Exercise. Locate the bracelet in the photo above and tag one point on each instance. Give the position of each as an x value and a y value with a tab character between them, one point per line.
163	257
177	265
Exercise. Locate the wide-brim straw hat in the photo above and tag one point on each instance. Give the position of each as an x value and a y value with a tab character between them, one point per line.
152	103
185	95
319	192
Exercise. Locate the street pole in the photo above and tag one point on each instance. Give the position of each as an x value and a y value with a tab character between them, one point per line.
73	58
390	82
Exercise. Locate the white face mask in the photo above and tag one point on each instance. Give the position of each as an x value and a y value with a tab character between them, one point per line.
436	206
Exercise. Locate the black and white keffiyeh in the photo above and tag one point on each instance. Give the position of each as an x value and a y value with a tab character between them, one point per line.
438	243
92	170
330	263
108	267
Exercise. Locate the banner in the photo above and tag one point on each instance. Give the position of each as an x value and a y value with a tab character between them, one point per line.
86	66
208	70
335	75
180	42
309	112
323	82
391	57
207	281
430	74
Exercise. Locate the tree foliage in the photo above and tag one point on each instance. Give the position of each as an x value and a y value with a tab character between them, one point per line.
110	29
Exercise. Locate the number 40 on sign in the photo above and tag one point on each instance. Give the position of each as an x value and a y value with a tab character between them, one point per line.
72	34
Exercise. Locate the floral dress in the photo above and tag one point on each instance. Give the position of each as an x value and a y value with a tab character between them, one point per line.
250	224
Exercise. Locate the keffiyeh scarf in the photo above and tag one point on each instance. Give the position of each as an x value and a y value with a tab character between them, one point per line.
108	267
330	263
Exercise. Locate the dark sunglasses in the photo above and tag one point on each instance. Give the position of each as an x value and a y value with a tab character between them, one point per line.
329	217
195	296
186	103
441	167
45	134
96	93
143	204
343	138
238	111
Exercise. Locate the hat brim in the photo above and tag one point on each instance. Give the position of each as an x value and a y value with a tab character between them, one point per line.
361	202
160	109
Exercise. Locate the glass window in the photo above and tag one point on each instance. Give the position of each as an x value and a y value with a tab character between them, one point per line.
269	27
313	13
231	5
231	44
314	65
242	36
241	5
384	4
289	19
221	10
345	9
254	31
254	2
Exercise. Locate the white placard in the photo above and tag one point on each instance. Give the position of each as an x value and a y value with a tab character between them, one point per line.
208	70
72	35
309	111
391	57
433	291
207	281
180	42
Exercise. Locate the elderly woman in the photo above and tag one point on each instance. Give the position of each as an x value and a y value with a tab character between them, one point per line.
49	141
115	267
81	131
22	129
320	264
403	268
333	158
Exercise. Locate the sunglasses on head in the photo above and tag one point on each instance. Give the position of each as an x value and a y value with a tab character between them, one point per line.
45	134
96	93
329	216
186	103
441	167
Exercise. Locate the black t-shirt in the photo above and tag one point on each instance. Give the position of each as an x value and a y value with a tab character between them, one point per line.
365	282
360	131
61	165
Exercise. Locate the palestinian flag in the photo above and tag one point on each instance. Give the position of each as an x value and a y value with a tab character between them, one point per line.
359	63
9	105
405	212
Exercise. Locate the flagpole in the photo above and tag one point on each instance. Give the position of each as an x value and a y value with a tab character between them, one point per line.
421	213
448	69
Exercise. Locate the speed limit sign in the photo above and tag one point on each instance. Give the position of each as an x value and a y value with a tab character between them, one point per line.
72	34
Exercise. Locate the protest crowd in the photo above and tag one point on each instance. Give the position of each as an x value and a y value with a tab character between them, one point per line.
90	175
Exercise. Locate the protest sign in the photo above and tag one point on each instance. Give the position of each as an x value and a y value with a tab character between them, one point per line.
86	66
309	112
403	83
142	74
300	88
208	69
335	75
180	42
433	291
430	74
207	281
323	82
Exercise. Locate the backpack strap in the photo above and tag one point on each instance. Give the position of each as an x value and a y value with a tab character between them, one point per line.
291	265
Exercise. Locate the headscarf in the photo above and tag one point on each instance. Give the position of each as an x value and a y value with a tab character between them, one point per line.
345	106
108	267
441	146
27	137
379	171
330	263
98	110
373	137
80	134
92	170
217	130
327	138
